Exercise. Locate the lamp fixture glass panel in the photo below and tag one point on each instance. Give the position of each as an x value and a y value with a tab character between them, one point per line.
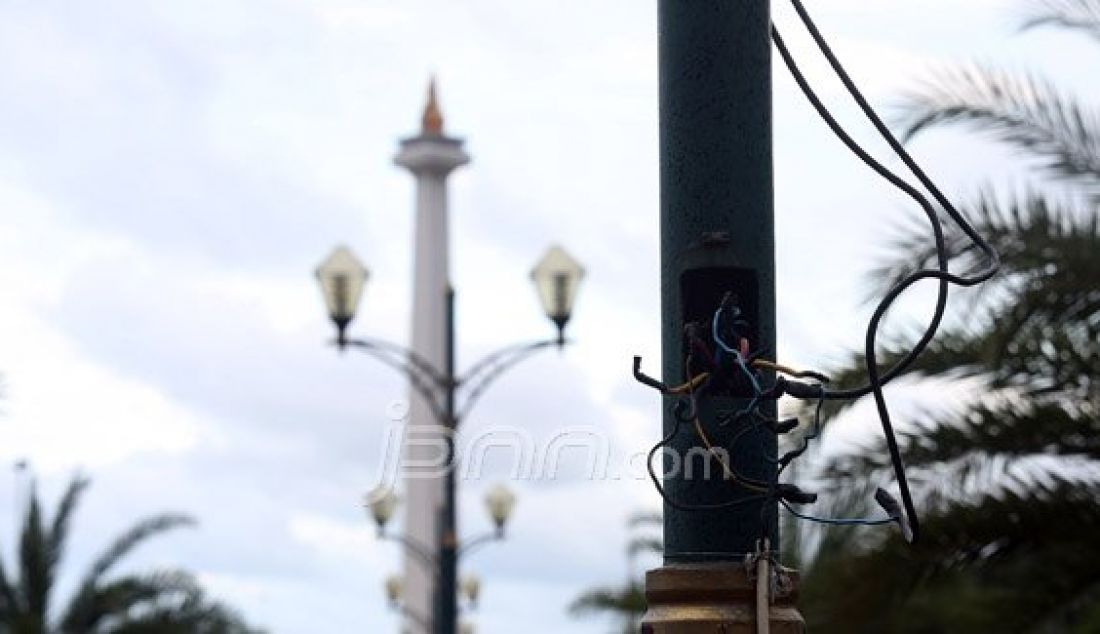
342	277
394	588
500	501
557	277
381	503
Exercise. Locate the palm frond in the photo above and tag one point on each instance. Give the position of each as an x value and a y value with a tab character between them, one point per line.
646	518
35	574
1009	430
186	610
642	543
1005	446
95	604
1006	484
1039	320
953	354
132	538
1024	111
1083	15
55	541
793	533
158	603
1017	546
1035	235
1079	614
621	601
9	600
1049	344
824	542
645	544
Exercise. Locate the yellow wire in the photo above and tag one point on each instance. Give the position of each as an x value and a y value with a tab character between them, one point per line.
690	386
730	475
695	381
764	364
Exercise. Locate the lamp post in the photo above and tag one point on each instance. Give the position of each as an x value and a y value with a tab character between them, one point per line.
717	242
556	277
394	587
499	503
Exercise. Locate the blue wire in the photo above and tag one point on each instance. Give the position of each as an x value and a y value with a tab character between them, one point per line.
736	353
832	521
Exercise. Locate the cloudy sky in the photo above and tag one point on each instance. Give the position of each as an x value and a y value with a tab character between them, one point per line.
172	170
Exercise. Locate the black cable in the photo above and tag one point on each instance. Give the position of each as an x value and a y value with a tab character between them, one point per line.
875	381
914	167
896	181
896	145
792	455
680	505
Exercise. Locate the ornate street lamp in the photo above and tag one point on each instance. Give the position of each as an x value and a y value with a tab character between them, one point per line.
557	277
381	502
500	501
394	588
342	277
471	589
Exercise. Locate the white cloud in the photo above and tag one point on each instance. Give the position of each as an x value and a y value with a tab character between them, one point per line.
334	540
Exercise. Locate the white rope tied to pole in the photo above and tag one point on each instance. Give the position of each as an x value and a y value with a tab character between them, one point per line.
763	588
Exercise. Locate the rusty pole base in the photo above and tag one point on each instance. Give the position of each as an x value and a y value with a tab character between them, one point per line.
716	598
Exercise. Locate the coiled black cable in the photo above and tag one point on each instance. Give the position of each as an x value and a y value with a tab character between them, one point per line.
875	380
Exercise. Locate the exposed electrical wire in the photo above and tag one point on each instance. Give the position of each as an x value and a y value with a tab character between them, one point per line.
728	341
839	521
727	469
875	381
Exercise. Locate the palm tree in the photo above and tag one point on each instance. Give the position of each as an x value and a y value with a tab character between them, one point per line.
1008	481
165	602
626	602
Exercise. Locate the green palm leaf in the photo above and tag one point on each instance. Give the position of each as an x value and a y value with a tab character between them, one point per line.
1003	448
1024	111
160	602
36	575
1038	324
628	600
9	602
132	538
122	596
645	544
1083	15
1012	551
1036	235
59	532
1006	481
186	611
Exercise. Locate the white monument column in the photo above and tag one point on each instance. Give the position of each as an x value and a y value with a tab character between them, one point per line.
430	156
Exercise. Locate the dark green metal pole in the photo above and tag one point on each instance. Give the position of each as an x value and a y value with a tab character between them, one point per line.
717	236
447	587
717	241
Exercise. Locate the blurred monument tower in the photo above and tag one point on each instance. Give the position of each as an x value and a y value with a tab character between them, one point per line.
430	156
